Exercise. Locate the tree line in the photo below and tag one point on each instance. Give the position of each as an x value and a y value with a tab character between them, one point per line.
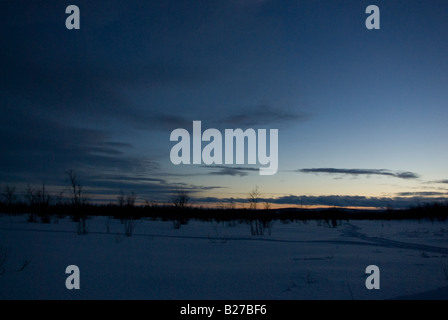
39	202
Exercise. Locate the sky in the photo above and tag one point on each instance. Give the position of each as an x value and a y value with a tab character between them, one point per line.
361	114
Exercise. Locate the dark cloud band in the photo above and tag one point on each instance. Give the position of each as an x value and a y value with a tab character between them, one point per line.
368	172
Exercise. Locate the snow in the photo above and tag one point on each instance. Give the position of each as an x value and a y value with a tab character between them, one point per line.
223	260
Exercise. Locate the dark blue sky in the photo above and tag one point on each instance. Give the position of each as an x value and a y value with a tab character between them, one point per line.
361	113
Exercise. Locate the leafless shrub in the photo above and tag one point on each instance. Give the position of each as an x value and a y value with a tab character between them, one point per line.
129	226
78	195
9	195
151	204
259	226
127	200
38	197
254	197
38	200
81	228
267	205
130	199
180	198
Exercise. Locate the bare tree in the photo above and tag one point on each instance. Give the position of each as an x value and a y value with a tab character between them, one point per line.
39	200
254	197
59	198
129	226
231	204
151	204
127	218
127	200
121	199
267	205
38	197
78	200
76	189
9	195
130	199
180	198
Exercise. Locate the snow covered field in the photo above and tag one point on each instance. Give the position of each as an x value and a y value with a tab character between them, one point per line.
211	260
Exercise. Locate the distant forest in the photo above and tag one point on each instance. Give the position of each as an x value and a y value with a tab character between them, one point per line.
40	205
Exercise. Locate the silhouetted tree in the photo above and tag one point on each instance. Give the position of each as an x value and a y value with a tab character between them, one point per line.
267	205
38	197
78	197
130	199
254	197
9	195
180	198
127	200
39	201
151	204
78	200
121	199
231	204
59	198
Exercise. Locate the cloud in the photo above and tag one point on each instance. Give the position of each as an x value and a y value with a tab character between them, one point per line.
262	115
441	181
128	180
357	201
64	77
422	193
368	172
338	201
257	117
206	188
68	90
230	171
145	187
333	200
163	121
38	149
